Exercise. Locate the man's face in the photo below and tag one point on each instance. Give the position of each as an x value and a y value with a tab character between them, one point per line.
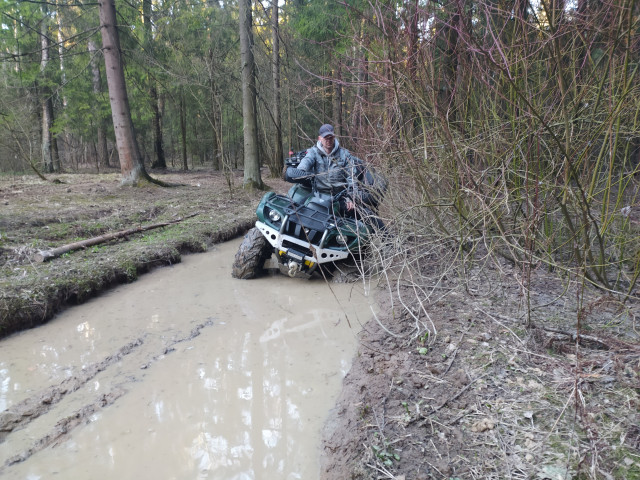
327	142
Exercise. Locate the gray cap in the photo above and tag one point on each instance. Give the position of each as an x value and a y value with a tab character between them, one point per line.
325	130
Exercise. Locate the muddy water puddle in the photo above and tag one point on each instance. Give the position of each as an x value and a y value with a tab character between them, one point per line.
184	374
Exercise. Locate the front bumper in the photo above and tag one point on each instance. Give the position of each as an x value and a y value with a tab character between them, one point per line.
299	250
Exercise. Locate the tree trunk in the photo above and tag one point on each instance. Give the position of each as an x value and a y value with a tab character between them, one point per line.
57	166
63	73
131	164
389	116
252	177
47	102
337	102
289	119
183	131
57	159
412	40
159	160
449	42
101	146
215	144
278	161
47	138
361	90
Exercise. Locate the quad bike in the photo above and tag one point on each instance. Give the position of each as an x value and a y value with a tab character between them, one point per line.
302	231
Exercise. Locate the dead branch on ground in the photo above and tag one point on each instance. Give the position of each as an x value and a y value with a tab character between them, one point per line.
46	255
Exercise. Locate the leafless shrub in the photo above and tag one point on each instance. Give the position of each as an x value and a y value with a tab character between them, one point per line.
508	133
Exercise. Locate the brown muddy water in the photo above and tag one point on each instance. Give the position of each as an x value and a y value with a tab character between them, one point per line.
185	374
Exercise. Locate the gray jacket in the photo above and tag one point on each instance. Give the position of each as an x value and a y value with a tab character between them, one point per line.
334	172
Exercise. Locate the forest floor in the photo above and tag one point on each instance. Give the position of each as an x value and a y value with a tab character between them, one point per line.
447	384
456	386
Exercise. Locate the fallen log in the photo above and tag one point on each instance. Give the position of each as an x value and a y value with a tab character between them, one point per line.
46	255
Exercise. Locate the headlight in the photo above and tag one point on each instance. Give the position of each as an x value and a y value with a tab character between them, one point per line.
341	240
274	216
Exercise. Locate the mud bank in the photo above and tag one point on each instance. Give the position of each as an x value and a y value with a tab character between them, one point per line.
457	386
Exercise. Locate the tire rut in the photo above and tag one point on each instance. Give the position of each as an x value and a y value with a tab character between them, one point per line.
21	414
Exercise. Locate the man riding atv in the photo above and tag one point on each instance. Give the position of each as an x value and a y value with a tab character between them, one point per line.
326	217
336	171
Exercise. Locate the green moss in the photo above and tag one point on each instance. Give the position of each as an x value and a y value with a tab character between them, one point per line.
57	230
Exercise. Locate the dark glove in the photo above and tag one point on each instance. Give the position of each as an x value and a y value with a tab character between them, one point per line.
295	175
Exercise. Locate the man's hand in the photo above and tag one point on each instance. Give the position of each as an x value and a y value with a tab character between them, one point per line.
349	204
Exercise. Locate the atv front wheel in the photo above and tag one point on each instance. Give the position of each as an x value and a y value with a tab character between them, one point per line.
253	252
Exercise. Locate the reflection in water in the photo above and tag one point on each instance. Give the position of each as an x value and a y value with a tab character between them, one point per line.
4	388
269	395
245	399
159	408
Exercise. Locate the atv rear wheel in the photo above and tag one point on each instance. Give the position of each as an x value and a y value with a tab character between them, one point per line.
253	252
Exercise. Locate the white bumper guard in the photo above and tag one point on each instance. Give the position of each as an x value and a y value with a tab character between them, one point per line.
322	255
